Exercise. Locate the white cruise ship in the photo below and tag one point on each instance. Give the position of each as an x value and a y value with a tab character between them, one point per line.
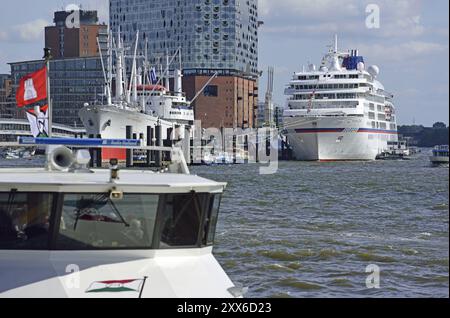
339	111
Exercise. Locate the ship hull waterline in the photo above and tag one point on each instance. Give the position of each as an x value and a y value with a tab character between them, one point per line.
336	139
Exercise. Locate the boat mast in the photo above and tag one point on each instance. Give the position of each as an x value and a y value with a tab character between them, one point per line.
110	61
178	77
167	71
144	75
108	91
165	75
119	69
133	79
335	44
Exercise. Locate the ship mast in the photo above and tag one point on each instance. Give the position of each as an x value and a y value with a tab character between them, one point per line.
119	69
335	44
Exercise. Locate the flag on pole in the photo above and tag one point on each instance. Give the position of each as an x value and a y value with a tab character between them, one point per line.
31	92
32	88
116	286
39	121
153	77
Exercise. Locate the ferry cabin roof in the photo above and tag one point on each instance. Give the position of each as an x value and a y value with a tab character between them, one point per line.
136	181
79	212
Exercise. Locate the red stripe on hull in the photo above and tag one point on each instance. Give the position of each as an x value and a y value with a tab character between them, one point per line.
342	160
114	153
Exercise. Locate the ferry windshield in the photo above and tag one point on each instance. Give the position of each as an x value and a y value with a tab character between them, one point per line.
96	221
81	221
24	220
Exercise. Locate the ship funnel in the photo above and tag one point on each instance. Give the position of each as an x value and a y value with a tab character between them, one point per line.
59	158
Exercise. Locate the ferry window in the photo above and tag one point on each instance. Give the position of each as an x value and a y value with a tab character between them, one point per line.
181	220
94	221
210	225
25	220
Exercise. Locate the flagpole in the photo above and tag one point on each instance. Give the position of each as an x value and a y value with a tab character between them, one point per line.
47	57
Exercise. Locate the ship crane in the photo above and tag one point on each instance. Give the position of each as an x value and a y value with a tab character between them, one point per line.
268	104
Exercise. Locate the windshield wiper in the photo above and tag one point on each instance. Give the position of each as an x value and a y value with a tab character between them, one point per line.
102	200
116	210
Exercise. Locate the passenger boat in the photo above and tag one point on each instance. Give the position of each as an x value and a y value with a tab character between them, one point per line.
67	230
340	111
440	155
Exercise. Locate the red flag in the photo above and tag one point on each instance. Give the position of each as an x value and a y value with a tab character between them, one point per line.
32	88
43	108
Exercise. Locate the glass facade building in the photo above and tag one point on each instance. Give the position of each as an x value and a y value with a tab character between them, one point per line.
212	34
73	82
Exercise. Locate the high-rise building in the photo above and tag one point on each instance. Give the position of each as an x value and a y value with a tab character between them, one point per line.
68	38
214	36
73	82
6	110
76	74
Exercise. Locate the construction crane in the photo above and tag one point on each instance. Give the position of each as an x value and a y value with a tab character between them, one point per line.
268	105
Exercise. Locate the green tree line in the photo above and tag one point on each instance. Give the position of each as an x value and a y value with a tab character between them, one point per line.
426	136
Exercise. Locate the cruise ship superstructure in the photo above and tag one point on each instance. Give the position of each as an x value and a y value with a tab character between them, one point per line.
339	111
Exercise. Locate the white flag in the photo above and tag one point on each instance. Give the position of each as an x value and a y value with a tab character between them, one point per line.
38	123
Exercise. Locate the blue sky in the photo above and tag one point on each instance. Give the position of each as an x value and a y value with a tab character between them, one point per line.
411	47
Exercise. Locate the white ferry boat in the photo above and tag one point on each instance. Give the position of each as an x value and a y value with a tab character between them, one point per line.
440	155
339	111
70	231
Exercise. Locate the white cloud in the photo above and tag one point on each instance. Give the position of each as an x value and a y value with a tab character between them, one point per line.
404	52
31	31
398	18
310	8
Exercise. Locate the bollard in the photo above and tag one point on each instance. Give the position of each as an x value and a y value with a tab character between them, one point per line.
158	157
129	152
149	143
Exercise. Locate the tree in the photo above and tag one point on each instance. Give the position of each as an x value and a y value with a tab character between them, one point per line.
439	125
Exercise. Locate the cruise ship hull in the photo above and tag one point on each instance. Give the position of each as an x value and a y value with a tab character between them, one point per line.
336	138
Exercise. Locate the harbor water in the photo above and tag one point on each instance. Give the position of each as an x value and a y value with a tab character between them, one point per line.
312	229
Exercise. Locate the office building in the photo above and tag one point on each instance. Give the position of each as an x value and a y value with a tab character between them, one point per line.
6	110
73	82
214	36
67	39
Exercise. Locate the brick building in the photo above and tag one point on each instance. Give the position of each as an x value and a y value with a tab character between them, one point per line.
80	41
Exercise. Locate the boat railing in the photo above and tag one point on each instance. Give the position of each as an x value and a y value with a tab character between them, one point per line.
441	148
176	164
